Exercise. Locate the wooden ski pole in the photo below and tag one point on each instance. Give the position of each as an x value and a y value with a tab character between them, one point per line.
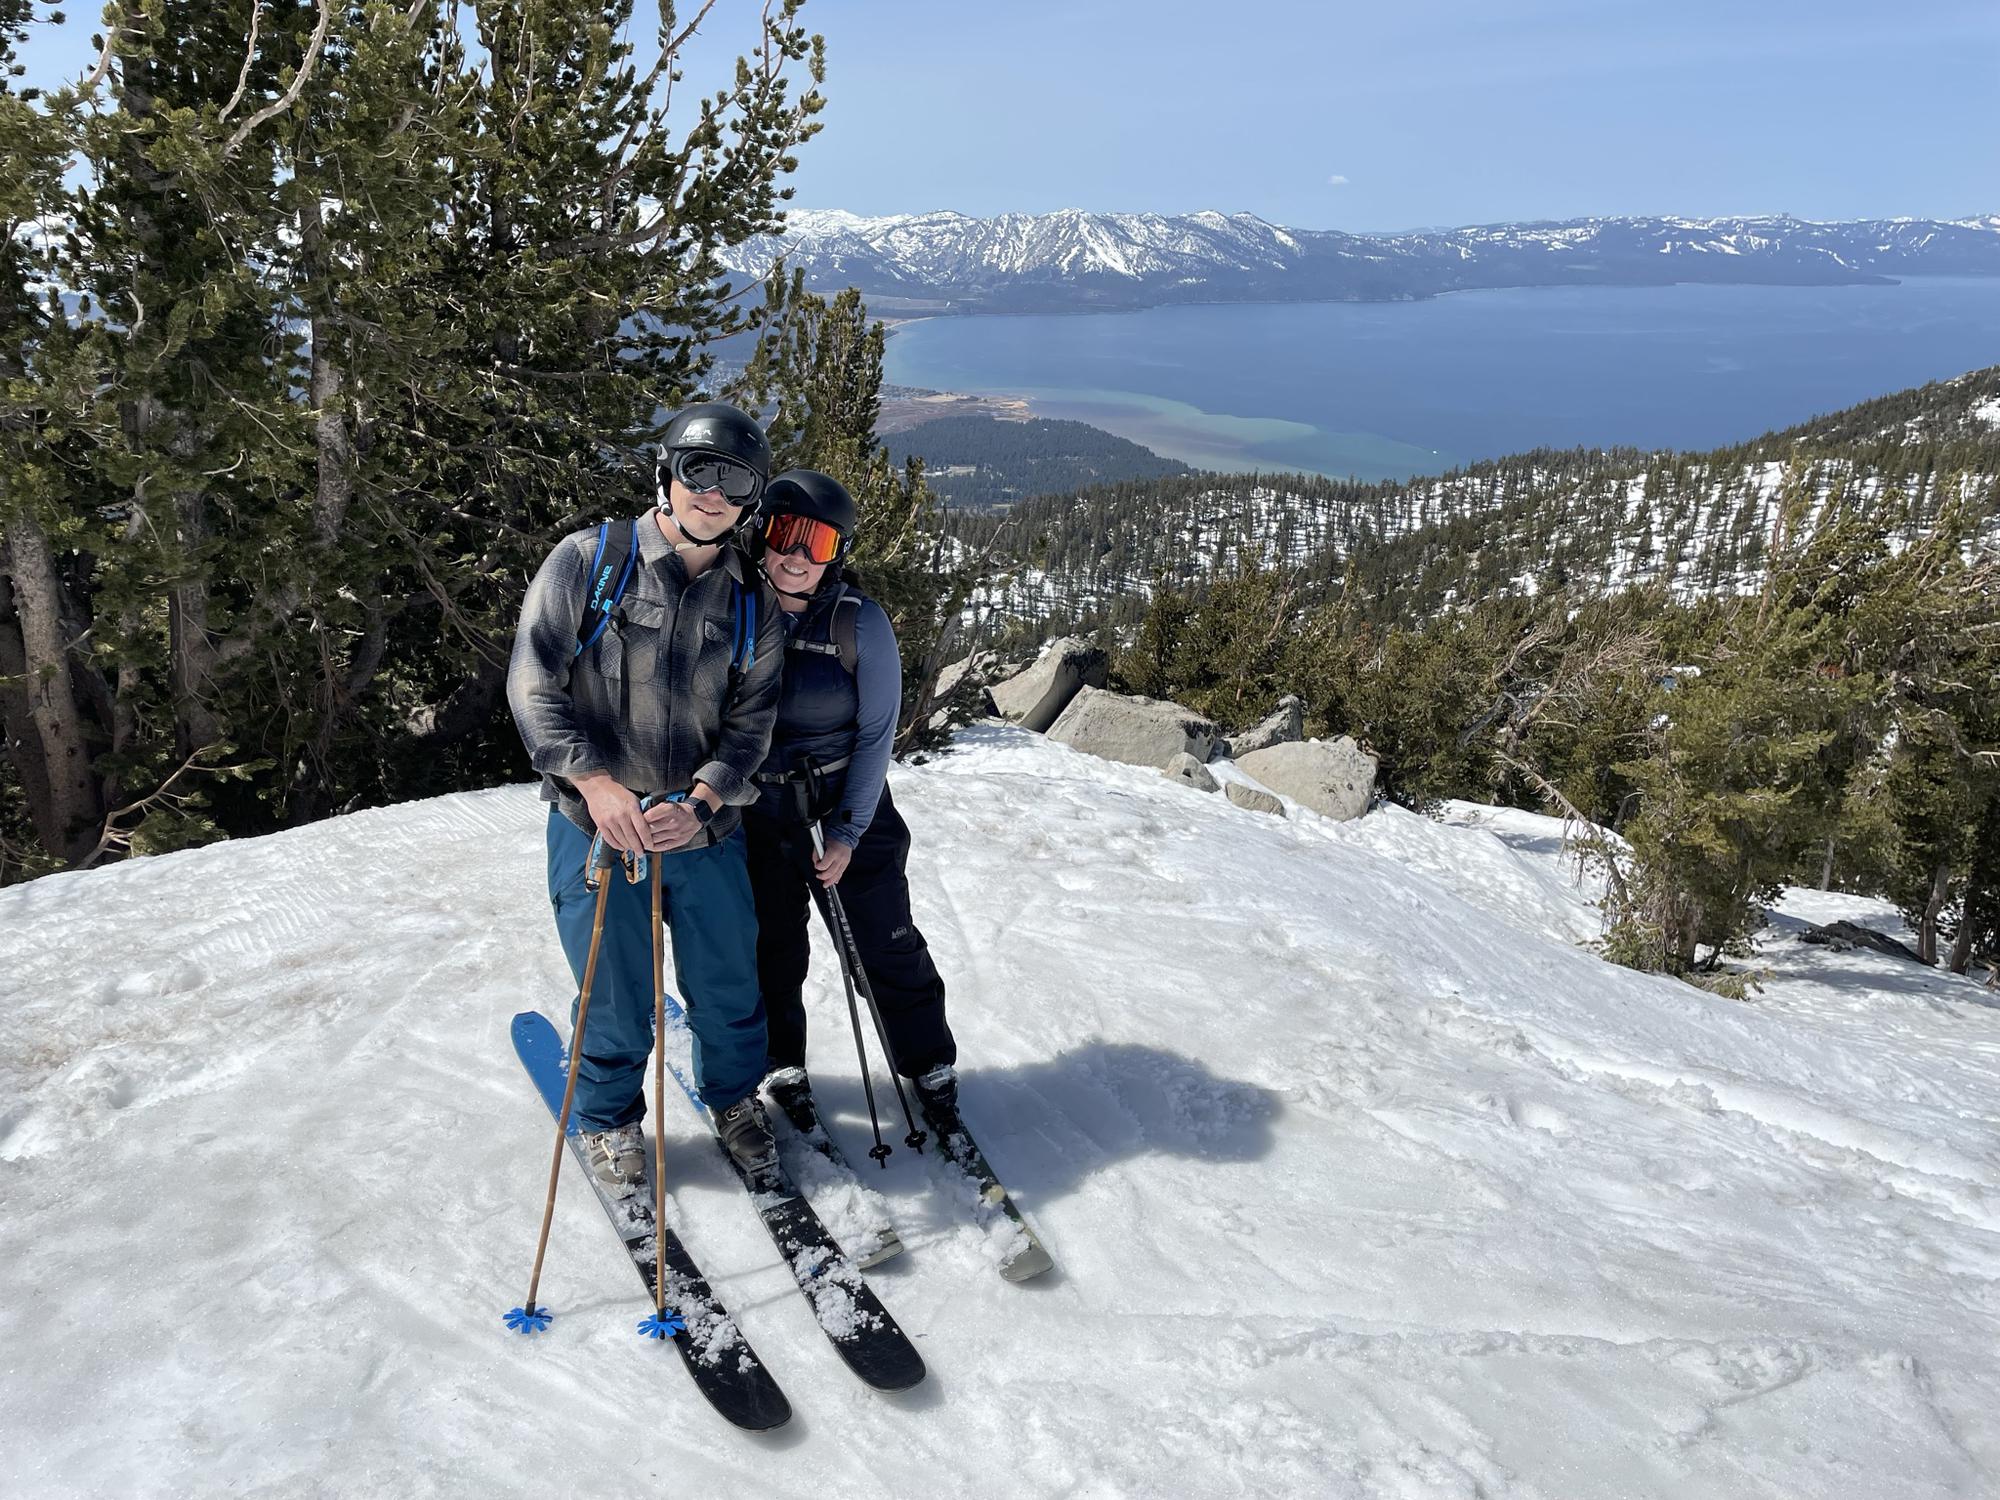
528	1318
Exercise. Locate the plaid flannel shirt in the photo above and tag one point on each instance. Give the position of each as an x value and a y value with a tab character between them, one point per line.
645	702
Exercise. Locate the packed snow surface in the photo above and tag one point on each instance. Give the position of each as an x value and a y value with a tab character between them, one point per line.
1363	1177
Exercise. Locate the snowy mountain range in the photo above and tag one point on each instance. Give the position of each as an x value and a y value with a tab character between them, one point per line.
1073	260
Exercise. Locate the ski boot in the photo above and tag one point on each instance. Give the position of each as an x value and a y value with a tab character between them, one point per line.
746	1136
937	1099
617	1156
791	1091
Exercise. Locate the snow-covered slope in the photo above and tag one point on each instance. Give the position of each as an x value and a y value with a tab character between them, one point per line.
1603	520
953	262
1364	1180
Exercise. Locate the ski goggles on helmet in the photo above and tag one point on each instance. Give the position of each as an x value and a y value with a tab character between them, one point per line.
702	472
785	534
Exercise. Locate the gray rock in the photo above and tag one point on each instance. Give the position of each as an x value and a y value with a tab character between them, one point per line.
1284	727
1334	777
1254	798
1185	767
1839	935
1038	695
961	690
998	671
951	676
1138	731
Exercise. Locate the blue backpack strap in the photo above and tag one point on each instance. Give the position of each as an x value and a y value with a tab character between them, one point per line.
606	582
744	654
743	645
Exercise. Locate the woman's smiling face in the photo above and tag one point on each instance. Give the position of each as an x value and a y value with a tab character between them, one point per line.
792	572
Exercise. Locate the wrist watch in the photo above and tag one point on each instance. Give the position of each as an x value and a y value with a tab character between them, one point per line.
702	811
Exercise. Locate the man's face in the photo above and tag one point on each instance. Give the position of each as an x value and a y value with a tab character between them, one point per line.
705	514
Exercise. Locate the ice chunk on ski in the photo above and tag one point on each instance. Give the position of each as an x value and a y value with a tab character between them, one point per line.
856	1213
1011	1244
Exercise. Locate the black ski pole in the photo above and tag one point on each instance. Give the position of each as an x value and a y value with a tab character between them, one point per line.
879	1152
856	976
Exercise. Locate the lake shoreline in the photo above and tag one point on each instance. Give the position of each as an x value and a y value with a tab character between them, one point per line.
1385	390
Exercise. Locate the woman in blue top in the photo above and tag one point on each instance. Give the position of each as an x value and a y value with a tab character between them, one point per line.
829	763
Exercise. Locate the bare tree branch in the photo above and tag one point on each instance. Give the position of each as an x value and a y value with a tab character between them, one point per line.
249	56
291	95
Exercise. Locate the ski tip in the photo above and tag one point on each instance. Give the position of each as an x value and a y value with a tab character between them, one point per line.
662	1325
887	1248
530	1319
1030	1262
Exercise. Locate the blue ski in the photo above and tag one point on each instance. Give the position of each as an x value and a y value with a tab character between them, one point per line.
725	1368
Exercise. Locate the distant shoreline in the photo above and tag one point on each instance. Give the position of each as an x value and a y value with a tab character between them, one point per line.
905	406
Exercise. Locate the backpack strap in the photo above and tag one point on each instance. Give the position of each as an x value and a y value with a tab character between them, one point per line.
743	644
840	632
846	615
610	571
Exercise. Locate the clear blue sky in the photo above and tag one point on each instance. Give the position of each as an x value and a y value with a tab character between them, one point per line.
1431	112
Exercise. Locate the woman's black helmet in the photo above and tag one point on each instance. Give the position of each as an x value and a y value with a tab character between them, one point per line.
807	492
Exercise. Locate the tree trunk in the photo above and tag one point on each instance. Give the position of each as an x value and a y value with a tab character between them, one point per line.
1961	943
192	655
1826	868
330	433
1927	929
65	804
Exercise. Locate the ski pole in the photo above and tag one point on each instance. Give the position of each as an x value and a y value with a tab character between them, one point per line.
662	1324
803	798
528	1318
855	976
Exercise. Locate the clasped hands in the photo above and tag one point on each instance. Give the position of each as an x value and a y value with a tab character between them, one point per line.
626	827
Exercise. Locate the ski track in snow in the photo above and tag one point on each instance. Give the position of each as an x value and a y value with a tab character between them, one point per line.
1363	1178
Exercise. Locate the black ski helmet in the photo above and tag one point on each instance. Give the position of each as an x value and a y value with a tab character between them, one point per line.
716	427
807	492
713	427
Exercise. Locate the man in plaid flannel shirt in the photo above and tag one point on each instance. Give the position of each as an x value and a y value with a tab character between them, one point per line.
654	702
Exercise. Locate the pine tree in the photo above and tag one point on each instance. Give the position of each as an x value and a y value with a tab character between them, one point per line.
1937	636
49	800
362	327
1750	752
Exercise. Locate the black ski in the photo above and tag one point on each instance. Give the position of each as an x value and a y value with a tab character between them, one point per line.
1024	1256
725	1368
801	1111
845	1306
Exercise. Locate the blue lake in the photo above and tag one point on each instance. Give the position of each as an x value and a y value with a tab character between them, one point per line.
1381	390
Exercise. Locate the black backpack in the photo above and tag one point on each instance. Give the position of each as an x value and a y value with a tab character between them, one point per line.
846	610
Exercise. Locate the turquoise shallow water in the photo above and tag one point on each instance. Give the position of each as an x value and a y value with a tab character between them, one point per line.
1381	390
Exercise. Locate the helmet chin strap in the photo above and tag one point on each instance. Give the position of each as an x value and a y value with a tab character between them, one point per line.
666	508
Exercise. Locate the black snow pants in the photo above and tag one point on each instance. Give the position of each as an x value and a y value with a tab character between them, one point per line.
876	895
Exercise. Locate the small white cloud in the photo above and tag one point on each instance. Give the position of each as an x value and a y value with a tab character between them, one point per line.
1336	180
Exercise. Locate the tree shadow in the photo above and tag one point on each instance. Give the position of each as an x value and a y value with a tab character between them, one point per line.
1939	989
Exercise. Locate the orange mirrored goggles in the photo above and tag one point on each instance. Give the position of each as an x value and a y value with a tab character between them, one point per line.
788	533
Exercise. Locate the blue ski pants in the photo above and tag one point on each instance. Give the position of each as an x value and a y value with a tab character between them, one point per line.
713	921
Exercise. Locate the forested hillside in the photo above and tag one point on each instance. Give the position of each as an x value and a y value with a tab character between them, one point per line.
1590	518
986	463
